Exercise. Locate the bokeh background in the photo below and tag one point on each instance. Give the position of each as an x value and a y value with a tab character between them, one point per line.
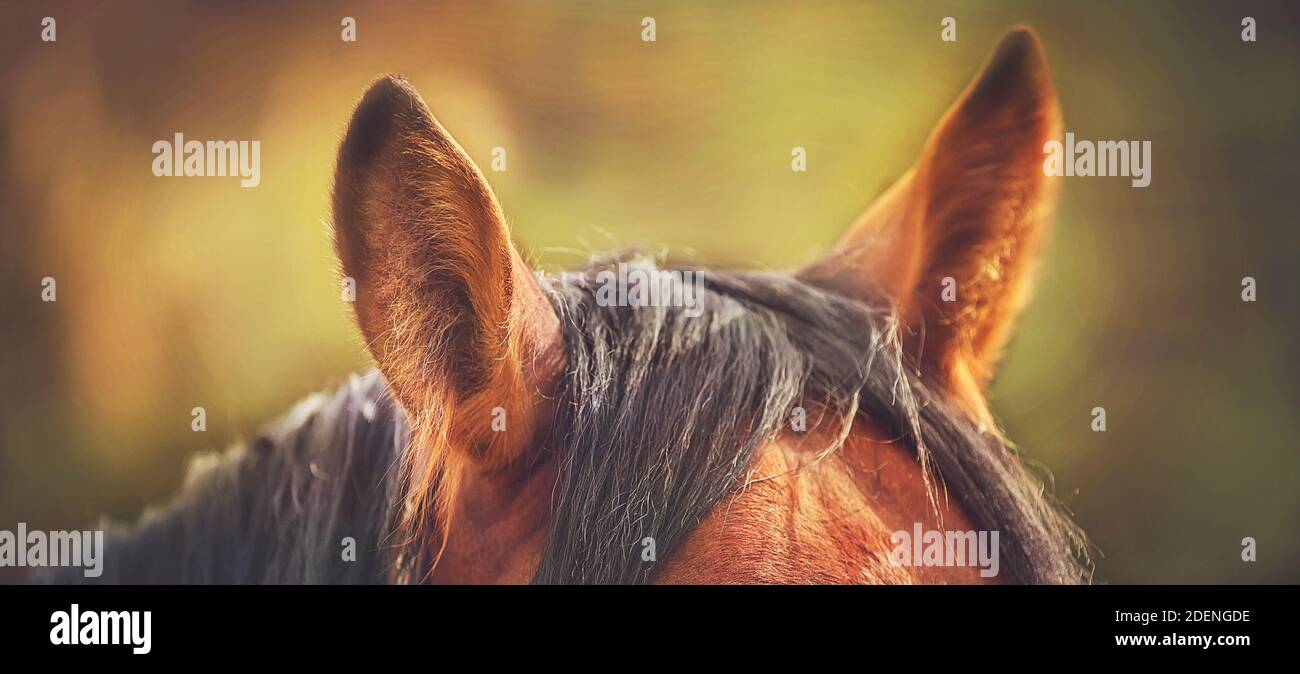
183	292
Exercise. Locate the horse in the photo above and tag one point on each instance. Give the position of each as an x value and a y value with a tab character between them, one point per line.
791	428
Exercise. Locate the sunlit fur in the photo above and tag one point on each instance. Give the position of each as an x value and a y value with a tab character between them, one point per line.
444	303
974	209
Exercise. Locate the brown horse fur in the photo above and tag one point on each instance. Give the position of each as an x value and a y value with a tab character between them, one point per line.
974	209
451	313
625	424
457	324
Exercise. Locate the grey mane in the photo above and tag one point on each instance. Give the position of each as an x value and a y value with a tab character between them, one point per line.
278	508
660	417
666	411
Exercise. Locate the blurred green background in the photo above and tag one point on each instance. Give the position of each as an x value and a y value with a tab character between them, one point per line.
175	293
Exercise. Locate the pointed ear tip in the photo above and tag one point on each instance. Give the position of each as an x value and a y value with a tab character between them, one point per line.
1020	50
1022	38
372	125
1016	72
389	86
388	95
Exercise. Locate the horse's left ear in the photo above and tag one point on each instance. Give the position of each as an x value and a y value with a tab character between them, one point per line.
954	241
456	321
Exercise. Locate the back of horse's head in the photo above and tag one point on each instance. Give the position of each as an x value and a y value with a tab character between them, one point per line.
655	412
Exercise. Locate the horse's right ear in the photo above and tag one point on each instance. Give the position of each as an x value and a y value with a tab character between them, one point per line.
955	241
452	315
